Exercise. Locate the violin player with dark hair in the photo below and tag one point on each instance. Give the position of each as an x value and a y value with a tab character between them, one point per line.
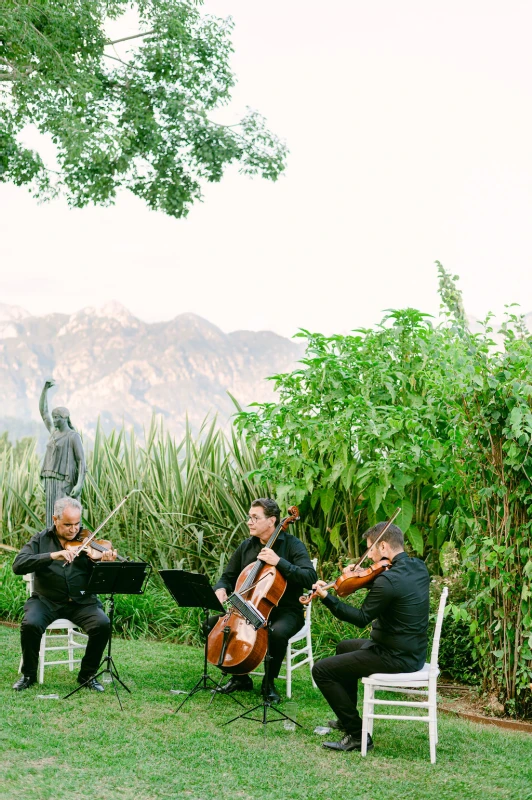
290	558
398	606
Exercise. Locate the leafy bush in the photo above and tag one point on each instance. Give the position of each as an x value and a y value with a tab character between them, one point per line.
457	657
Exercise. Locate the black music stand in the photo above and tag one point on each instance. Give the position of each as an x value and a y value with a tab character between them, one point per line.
115	577
266	704
192	590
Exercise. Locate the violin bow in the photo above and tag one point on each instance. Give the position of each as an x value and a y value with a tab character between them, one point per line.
377	540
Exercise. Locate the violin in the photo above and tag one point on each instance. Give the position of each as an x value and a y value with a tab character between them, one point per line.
95	545
353	576
86	541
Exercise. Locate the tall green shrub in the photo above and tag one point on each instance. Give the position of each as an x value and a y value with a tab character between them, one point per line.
490	453
358	431
437	420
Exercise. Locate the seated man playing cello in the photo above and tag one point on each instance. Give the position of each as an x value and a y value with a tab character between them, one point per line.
290	557
398	605
61	578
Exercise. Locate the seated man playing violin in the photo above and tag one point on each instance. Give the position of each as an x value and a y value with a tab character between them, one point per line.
290	557
398	606
61	578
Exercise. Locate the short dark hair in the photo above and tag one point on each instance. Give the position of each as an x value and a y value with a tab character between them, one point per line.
269	506
394	536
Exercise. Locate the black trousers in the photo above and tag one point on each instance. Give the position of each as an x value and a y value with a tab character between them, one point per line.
284	623
38	615
337	676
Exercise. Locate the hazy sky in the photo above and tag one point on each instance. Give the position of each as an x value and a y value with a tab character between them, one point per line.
410	130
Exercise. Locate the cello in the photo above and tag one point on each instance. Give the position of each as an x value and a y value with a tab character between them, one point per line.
239	640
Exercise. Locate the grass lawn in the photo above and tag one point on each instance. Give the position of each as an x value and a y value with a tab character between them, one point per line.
85	748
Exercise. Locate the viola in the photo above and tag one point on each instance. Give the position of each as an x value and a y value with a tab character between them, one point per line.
353	576
239	640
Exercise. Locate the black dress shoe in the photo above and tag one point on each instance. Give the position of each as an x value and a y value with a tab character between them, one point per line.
349	742
270	693
237	683
24	682
92	684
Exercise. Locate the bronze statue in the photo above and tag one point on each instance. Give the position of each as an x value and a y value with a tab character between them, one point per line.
63	469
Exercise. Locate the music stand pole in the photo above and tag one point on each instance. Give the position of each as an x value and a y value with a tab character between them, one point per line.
266	704
192	590
118	578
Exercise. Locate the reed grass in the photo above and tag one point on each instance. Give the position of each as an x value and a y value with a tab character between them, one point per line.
188	509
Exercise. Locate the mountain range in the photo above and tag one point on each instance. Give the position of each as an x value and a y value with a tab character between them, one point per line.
109	364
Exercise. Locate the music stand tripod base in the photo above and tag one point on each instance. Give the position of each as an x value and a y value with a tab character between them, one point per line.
111	577
266	704
193	590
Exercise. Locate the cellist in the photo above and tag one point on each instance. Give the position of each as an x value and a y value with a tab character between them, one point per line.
61	578
289	555
398	606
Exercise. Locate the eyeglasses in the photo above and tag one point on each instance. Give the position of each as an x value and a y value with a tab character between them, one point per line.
253	519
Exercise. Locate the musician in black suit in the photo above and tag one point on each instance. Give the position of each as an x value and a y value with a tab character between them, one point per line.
289	555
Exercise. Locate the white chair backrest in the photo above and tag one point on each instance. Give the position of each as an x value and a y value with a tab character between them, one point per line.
437	629
308	609
28	577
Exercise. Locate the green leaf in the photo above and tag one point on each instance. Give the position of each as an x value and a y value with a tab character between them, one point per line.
327	499
376	493
317	538
347	476
405	515
334	535
415	538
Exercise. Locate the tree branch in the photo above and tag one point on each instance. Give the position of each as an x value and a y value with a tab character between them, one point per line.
127	38
114	58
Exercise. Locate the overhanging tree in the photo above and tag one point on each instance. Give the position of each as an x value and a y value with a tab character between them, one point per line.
140	122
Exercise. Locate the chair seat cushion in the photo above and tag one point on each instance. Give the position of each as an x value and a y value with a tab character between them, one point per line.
60	623
391	678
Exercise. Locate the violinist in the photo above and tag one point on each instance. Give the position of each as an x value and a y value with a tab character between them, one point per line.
398	606
61	578
288	555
